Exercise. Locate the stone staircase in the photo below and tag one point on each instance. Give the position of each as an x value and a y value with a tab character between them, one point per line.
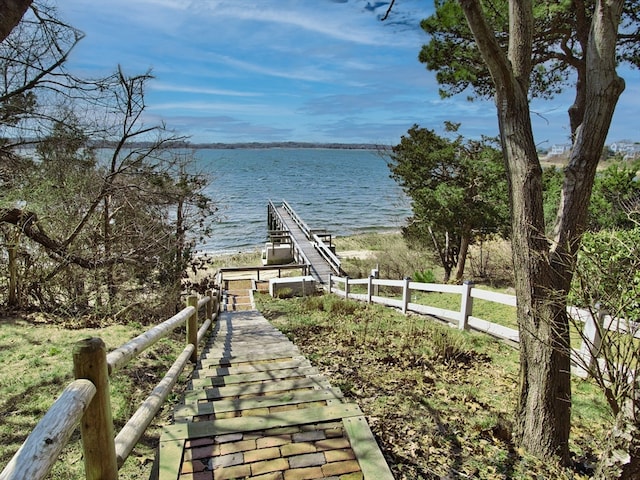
258	409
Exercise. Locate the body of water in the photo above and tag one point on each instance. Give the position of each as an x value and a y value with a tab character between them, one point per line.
343	191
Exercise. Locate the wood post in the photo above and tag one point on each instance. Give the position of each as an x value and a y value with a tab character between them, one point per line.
376	274
406	294
209	293
346	287
192	327
466	305
90	362
369	288
592	337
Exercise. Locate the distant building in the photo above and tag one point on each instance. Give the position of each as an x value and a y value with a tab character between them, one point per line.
629	150
560	149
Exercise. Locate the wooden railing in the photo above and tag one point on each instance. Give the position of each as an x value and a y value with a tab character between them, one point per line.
298	254
86	401
594	322
257	270
319	244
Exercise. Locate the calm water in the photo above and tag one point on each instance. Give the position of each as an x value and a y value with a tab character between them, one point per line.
342	191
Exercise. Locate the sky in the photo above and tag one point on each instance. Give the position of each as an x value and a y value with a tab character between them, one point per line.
284	70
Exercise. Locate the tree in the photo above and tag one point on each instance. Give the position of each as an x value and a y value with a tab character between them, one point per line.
457	188
608	276
12	12
614	200
615	192
536	52
75	221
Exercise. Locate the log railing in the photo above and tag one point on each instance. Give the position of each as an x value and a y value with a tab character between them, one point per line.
594	322
86	401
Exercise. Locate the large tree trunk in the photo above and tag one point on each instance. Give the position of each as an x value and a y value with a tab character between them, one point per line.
11	12
543	422
543	271
544	409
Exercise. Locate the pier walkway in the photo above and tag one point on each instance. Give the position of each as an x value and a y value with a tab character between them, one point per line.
258	409
312	247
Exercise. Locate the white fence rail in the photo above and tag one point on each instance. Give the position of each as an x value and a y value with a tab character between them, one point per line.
464	319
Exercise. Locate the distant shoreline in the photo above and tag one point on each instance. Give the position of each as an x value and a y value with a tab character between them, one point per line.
253	145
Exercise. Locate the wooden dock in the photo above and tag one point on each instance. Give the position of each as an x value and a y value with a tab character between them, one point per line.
308	243
258	409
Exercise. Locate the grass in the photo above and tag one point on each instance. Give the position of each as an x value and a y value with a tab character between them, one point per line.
37	365
440	401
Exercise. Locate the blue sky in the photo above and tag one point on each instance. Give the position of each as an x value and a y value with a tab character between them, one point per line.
286	70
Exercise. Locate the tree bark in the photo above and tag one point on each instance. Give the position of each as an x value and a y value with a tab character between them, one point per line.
543	420
465	241
11	12
543	271
12	301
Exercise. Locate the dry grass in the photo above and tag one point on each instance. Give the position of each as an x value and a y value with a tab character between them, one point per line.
439	401
36	365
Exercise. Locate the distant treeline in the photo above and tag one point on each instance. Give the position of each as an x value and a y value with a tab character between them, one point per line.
249	145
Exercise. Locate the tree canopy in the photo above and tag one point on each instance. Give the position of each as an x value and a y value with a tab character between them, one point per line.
458	189
88	230
515	51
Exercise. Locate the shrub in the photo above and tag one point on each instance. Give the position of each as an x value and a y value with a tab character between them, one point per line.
448	345
426	276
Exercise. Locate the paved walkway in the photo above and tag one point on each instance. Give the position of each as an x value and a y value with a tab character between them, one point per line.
258	409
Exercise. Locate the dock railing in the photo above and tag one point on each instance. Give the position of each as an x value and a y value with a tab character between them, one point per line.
86	400
319	244
594	322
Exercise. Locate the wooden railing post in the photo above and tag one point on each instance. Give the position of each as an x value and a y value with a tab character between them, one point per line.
466	305
329	282
209	293
369	288
405	295
346	287
192	327
96	427
592	337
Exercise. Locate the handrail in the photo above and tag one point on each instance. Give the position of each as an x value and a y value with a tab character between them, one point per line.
119	357
41	449
140	420
257	269
325	251
296	218
86	401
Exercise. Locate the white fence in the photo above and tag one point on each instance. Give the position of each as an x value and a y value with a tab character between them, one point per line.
465	320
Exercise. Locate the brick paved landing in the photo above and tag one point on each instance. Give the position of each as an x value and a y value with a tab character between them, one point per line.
257	409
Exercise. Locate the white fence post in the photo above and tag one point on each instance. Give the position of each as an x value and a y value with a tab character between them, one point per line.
592	337
329	282
346	287
466	305
405	295
375	273
369	288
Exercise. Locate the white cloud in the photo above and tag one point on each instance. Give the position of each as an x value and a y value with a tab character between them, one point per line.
164	87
